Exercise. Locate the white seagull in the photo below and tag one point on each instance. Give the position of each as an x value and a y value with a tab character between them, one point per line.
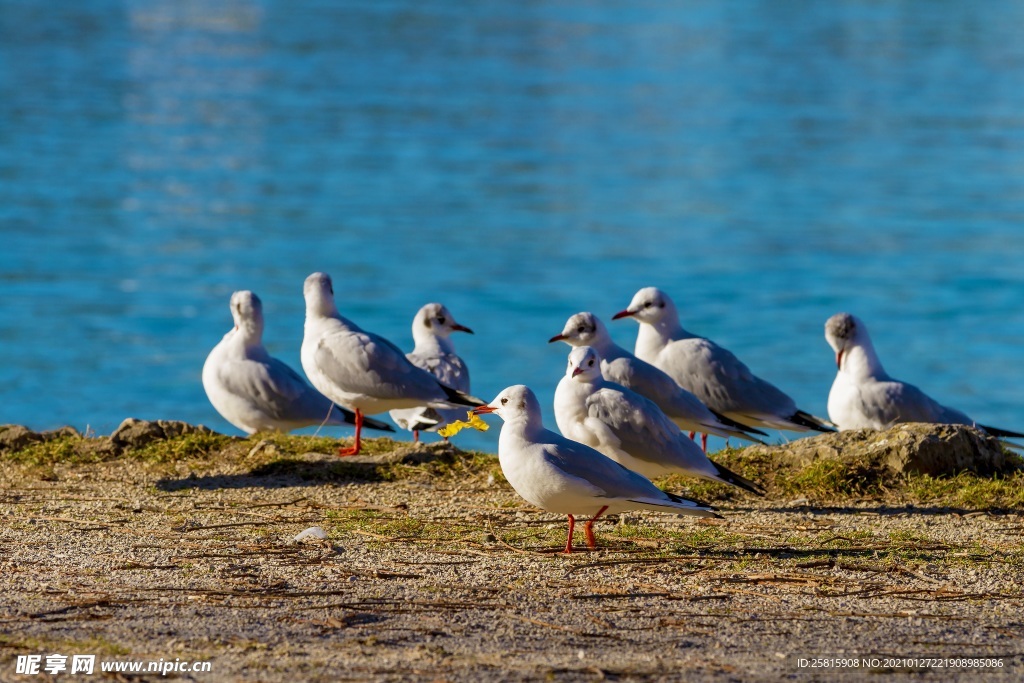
622	367
435	353
361	370
863	394
566	477
713	373
256	392
628	428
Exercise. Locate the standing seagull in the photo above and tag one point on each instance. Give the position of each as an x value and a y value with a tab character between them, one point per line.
863	395
622	367
362	370
256	392
711	372
566	477
628	428
435	353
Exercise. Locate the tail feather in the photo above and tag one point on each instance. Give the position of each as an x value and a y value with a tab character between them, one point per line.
459	398
680	504
731	477
809	421
738	426
1002	433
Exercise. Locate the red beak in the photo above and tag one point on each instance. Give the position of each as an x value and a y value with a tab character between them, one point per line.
576	371
839	360
461	328
483	410
623	314
557	337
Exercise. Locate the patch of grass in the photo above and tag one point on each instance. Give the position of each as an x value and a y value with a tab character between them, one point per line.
67	449
830	479
967	490
838	482
633	531
390	525
185	447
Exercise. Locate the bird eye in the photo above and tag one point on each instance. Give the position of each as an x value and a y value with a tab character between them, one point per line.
440	319
661	304
504	401
647	304
591	363
581	329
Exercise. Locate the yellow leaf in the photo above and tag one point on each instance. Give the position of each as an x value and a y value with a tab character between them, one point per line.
453	428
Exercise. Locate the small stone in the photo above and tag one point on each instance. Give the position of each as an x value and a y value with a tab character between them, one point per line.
313	533
16	437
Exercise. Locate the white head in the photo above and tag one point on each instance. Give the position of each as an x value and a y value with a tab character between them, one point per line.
515	404
319	293
582	329
649	305
434	320
247	311
584	364
844	331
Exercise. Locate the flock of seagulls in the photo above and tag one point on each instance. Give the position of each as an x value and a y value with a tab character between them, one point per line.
622	416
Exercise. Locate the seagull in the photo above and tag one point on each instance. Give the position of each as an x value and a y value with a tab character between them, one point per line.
622	367
256	392
711	372
361	370
628	428
435	353
863	395
566	477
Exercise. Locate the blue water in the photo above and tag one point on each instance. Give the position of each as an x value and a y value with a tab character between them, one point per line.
766	163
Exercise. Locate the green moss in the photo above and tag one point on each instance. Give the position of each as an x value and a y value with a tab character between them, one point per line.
185	447
70	448
824	479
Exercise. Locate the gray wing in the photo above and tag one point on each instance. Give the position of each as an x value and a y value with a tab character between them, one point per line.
597	470
274	388
641	427
362	362
893	401
722	381
449	369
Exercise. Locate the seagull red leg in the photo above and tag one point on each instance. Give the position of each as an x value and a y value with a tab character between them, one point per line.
704	443
415	436
568	541
354	449
693	435
589	528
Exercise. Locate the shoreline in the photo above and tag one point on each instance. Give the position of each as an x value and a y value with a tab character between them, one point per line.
434	567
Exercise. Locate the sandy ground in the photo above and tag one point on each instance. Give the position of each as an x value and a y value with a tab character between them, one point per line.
455	578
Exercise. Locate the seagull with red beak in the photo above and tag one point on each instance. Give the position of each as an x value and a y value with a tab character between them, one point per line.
566	477
711	372
434	352
864	396
361	370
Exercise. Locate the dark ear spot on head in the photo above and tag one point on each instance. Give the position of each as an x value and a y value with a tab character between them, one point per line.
427	323
522	404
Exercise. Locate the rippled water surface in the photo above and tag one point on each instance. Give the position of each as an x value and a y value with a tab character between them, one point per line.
768	164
